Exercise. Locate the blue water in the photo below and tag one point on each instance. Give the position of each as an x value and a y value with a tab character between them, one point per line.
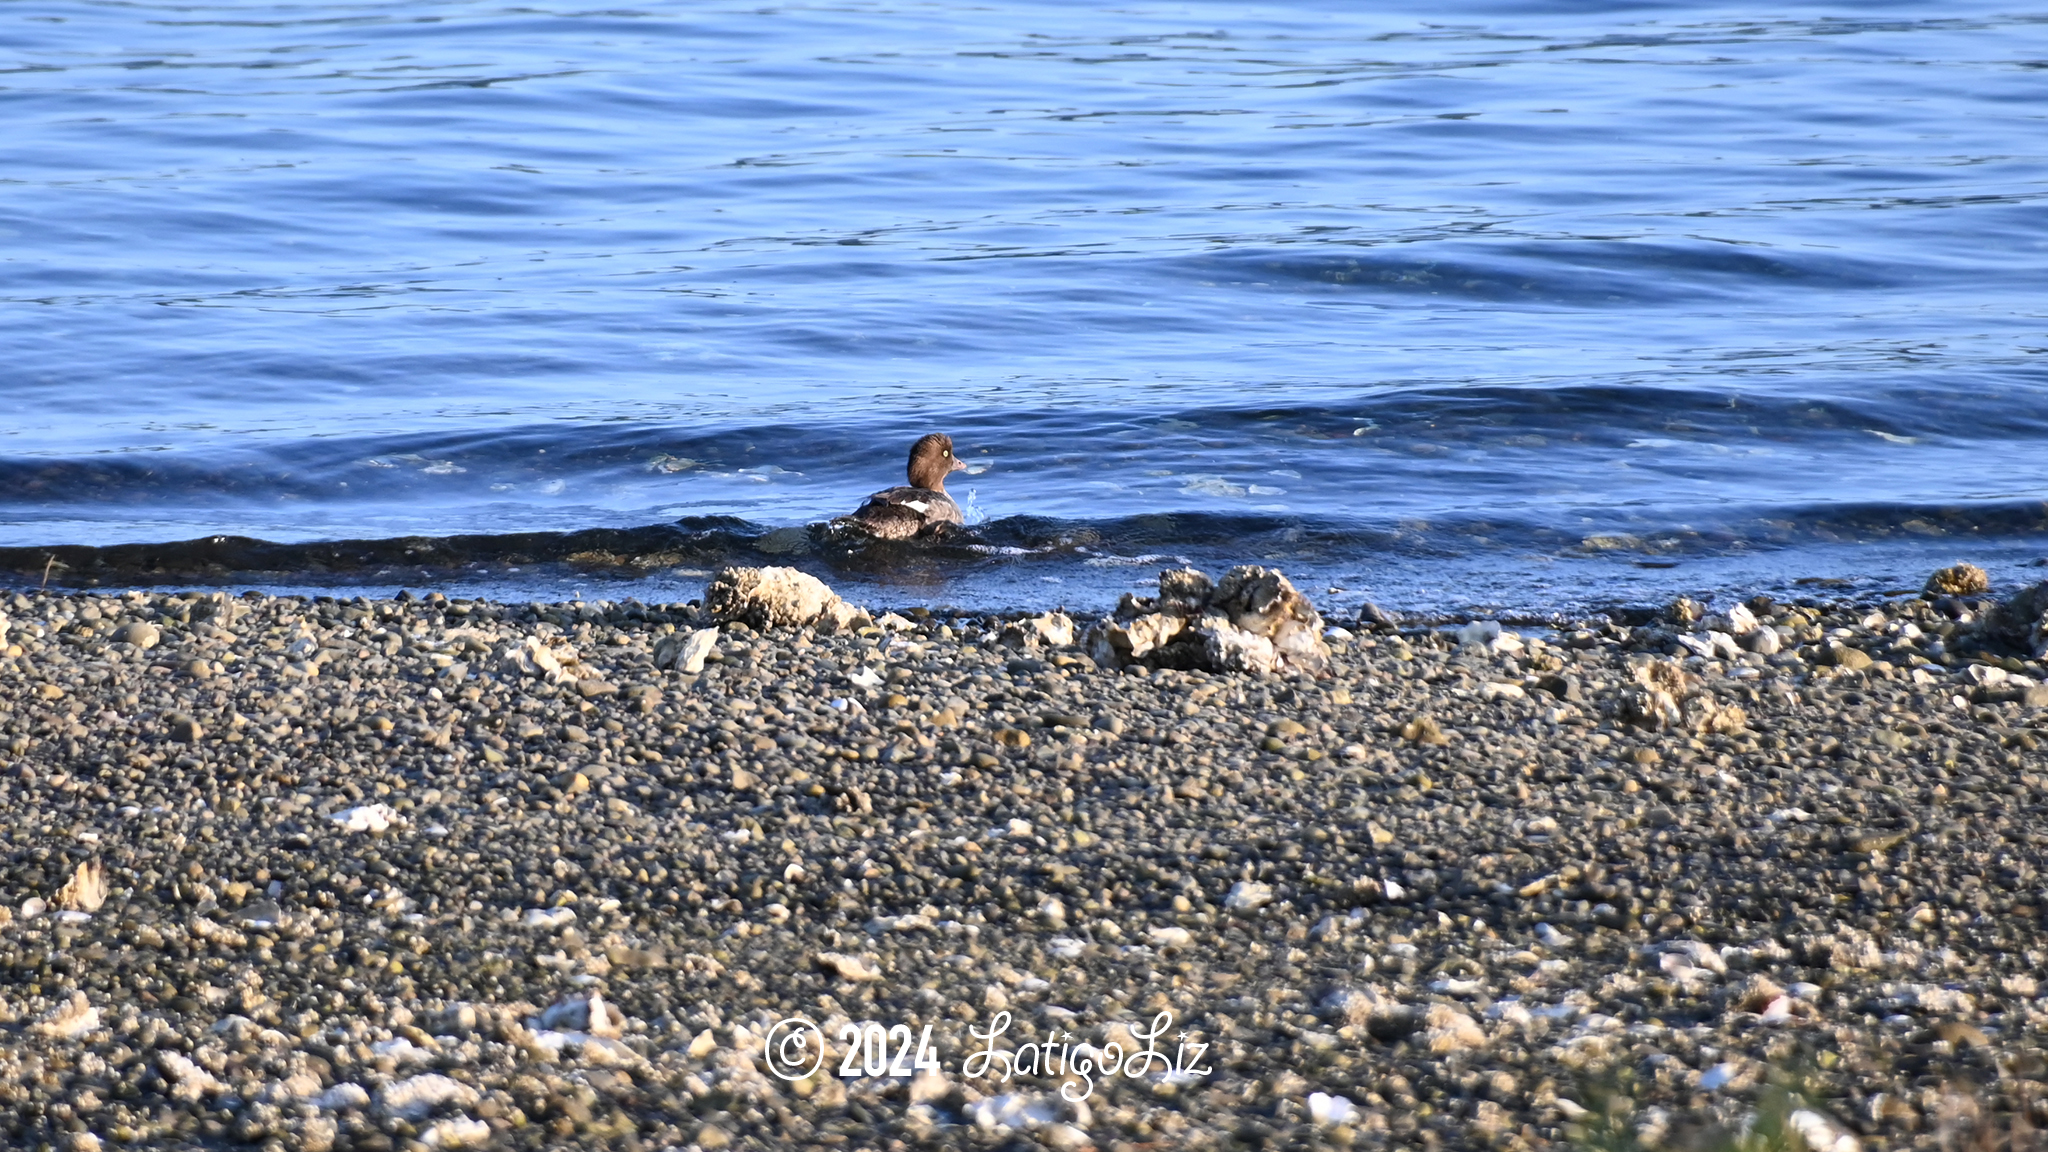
1503	301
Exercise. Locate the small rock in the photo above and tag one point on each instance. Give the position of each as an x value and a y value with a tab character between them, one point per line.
420	1095
1424	730
1064	1138
1719	1076
1756	994
1373	618
1050	629
1853	659
1248	896
188	1081
343	1096
74	1019
140	633
549	918
550	660
1819	1133
86	890
1487	634
1326	1110
1445	1029
456	1132
928	1087
1010	1112
685	652
1358	1007
857	969
1959	580
367	818
1961	1035
584	1014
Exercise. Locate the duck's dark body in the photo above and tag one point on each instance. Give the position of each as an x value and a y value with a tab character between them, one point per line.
902	512
917	508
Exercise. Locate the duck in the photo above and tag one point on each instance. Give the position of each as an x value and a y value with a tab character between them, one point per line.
920	507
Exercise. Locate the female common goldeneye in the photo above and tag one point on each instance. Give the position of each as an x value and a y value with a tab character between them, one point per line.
922	505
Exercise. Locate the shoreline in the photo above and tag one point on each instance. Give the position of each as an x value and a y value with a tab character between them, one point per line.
347	875
1436	573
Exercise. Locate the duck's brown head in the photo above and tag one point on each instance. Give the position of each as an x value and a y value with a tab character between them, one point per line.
932	460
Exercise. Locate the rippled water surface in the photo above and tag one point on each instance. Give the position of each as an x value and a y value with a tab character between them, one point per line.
1507	301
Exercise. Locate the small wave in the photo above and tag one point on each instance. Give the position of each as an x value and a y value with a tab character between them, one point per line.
702	544
1565	272
1145	561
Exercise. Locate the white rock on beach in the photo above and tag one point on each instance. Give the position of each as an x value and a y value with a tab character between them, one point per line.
1048	629
86	890
416	1097
551	660
848	967
73	1019
1248	896
368	818
346	1094
458	1132
686	652
1011	1112
1328	1110
584	1014
188	1080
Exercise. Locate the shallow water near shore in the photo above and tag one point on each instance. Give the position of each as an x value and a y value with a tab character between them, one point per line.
1510	306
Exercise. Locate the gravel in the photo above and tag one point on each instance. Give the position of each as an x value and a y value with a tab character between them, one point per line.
328	874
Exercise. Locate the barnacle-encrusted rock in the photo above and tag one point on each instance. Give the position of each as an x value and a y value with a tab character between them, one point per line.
1665	696
778	597
1653	700
1252	620
1959	580
1048	629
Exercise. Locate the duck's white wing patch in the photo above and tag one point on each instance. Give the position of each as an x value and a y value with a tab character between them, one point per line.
918	506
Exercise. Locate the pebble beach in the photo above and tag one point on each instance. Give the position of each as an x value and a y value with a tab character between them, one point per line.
334	873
